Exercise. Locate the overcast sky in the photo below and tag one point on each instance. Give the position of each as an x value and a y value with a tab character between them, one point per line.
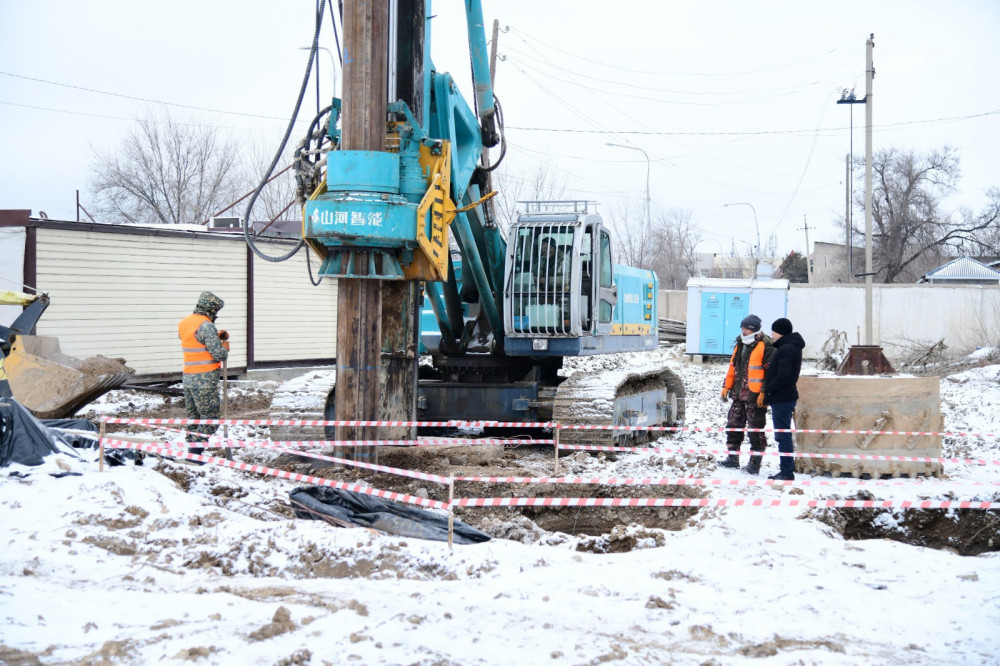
732	101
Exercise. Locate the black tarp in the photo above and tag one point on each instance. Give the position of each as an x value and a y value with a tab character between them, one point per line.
26	440
317	502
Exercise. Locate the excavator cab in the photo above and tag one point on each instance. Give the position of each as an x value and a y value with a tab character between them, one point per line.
36	373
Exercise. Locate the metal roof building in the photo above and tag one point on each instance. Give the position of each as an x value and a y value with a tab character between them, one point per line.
963	270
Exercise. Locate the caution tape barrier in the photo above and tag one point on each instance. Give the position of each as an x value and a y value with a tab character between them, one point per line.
261	469
542	424
423	476
797	454
708	502
690	481
223	442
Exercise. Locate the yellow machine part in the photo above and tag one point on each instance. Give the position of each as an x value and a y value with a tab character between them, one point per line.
898	404
54	385
15	298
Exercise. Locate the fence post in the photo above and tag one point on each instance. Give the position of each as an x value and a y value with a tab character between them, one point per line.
555	436
451	513
100	449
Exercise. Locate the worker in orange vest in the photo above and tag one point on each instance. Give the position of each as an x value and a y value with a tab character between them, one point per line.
205	348
744	383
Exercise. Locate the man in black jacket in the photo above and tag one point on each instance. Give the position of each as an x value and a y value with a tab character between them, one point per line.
780	392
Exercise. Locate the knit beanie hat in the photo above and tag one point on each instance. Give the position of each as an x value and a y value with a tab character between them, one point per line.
781	326
751	322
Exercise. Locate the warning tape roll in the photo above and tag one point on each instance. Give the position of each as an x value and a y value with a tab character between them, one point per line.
293	476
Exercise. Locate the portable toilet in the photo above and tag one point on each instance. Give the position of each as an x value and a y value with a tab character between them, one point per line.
715	308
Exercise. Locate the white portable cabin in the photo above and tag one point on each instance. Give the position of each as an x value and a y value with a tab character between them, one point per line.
715	308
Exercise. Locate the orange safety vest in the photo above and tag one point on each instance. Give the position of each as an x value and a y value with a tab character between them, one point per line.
196	355
755	368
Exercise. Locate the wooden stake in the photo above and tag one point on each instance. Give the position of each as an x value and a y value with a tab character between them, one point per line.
451	514
555	435
225	410
100	446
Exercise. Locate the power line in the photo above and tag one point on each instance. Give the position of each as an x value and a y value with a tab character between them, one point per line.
131	120
708	74
138	99
761	95
800	132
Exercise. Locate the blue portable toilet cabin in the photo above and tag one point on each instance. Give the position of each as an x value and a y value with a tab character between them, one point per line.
715	308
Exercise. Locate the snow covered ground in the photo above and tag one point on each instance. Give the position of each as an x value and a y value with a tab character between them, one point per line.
168	561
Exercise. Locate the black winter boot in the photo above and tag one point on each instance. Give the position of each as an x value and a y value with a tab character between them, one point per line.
732	461
753	467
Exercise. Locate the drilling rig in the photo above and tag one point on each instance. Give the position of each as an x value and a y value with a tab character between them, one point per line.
395	182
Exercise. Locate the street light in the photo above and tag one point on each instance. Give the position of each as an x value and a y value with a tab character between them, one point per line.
645	235
756	226
333	62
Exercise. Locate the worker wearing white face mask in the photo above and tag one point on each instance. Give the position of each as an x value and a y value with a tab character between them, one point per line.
744	383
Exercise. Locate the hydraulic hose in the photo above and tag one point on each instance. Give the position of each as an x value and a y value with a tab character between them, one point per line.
321	5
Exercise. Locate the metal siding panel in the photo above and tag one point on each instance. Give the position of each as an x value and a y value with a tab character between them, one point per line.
292	318
133	290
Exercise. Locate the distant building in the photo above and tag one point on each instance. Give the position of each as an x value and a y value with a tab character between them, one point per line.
832	263
963	270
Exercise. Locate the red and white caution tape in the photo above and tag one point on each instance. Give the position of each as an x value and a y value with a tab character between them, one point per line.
261	469
214	441
542	424
797	454
299	422
712	482
708	502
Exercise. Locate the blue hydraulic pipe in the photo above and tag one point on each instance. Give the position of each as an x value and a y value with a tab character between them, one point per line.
432	290
472	263
481	72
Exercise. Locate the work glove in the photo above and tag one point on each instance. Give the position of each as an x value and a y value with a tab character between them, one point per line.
725	394
225	345
224	336
760	399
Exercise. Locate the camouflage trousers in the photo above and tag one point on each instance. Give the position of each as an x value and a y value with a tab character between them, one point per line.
201	400
746	414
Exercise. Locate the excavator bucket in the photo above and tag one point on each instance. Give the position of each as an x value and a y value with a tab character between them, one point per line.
55	385
876	405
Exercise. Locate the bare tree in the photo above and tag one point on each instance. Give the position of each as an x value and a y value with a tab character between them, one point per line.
627	219
166	172
672	241
512	187
277	194
669	247
910	231
986	240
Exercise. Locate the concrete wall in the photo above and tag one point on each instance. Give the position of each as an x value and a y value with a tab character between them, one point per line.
672	304
904	316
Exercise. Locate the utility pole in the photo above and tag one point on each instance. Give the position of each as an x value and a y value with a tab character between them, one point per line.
869	75
359	301
809	269
849	243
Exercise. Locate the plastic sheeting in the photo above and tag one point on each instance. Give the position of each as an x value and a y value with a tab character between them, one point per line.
344	506
24	440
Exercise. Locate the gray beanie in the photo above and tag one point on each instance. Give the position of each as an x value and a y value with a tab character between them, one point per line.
751	322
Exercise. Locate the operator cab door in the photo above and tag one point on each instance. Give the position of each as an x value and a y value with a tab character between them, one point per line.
606	292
